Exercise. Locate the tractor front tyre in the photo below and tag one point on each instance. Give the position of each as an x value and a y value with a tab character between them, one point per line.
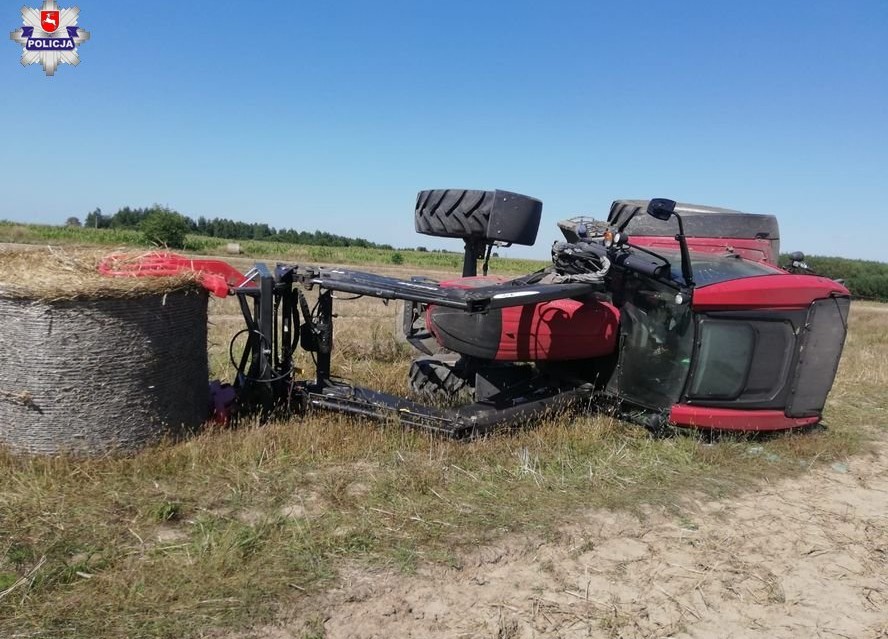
440	377
453	212
488	216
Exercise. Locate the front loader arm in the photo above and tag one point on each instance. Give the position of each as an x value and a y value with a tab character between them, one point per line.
475	300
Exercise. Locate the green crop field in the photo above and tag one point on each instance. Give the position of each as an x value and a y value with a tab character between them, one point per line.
43	234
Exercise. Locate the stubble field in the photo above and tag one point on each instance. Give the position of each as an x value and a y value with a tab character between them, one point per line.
326	526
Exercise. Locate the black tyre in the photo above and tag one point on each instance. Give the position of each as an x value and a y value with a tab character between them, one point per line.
441	377
492	216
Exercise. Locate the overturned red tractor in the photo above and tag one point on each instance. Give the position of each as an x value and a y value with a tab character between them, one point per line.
665	314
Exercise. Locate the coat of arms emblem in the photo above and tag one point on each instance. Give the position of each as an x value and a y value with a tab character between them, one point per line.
50	36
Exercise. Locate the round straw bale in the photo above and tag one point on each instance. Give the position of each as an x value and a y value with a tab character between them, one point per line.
93	365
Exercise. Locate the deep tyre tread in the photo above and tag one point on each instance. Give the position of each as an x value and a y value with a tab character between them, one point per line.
494	216
432	377
453	212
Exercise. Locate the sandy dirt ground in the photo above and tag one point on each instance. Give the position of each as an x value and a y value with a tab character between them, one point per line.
805	557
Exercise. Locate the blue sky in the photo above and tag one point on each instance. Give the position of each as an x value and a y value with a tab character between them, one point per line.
332	115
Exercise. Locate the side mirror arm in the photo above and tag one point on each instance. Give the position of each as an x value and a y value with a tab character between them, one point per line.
686	269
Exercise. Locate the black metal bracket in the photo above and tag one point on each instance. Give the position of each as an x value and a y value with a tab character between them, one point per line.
271	301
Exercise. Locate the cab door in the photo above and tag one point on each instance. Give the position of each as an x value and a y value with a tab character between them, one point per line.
656	342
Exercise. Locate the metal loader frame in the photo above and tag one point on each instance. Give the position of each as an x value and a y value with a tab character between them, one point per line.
272	302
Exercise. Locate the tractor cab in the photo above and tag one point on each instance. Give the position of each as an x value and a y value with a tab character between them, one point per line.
715	339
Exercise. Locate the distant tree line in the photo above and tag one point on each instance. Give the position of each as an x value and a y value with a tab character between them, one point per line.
135	218
865	279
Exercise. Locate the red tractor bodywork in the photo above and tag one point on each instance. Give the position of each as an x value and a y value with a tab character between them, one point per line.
755	250
766	292
559	330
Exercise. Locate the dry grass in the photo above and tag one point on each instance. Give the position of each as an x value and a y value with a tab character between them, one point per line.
860	394
55	274
234	527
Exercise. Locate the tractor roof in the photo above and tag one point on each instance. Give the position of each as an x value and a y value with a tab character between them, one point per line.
699	221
